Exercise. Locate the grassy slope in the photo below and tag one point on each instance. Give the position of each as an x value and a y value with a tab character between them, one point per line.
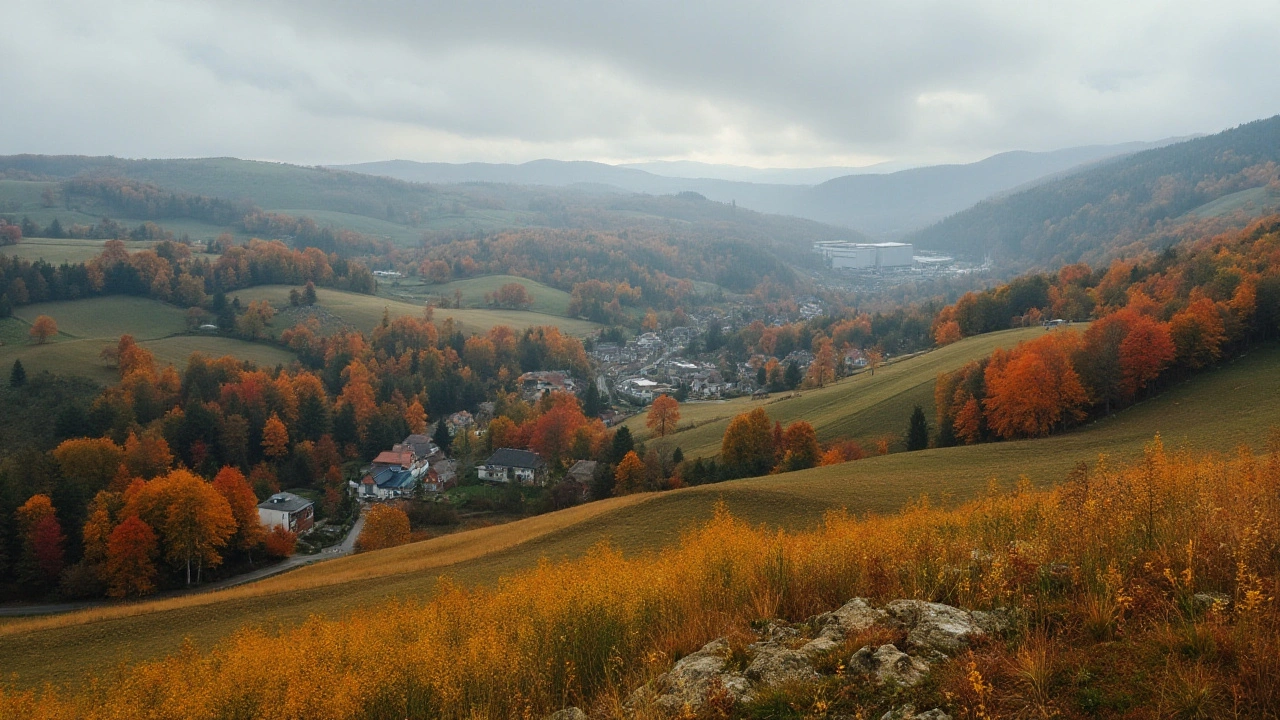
1253	201
546	299
863	407
86	326
64	648
365	311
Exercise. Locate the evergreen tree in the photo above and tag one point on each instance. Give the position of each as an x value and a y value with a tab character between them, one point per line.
677	456
622	444
345	428
55	230
309	294
714	339
917	431
18	376
441	436
762	376
793	376
592	404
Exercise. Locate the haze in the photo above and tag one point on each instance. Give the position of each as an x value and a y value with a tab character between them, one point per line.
757	84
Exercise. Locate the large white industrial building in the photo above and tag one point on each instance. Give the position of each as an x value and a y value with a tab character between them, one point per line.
866	256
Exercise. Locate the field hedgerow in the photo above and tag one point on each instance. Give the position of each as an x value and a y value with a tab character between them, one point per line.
1115	576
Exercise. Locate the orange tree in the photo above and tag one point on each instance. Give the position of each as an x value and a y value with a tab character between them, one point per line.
747	448
43	328
384	526
663	416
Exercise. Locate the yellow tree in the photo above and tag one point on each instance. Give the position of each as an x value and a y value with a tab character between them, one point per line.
92	461
275	438
629	476
747	448
663	416
43	328
384	526
415	416
194	519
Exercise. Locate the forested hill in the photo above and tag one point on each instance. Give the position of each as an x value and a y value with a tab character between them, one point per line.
1092	214
221	190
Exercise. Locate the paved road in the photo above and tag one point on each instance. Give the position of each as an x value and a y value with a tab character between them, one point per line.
346	547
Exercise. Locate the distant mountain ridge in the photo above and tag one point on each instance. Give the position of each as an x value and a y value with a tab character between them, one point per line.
887	204
1096	211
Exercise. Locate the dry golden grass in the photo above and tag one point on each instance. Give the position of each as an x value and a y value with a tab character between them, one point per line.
1149	534
405	559
1207	413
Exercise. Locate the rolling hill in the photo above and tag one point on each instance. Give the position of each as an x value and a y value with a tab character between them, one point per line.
862	407
1143	197
85	327
885	203
364	312
62	649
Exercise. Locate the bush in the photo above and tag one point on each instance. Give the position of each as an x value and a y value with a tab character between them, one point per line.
280	542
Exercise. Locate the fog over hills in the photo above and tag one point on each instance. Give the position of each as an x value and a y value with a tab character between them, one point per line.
886	204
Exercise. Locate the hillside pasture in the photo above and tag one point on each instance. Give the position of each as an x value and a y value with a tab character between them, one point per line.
365	311
85	327
546	299
863	407
63	649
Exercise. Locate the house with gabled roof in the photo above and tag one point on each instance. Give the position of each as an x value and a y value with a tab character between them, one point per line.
286	510
511	465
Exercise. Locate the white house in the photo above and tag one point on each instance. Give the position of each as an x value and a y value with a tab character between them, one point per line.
510	465
288	511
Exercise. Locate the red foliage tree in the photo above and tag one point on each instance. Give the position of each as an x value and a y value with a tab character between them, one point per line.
131	559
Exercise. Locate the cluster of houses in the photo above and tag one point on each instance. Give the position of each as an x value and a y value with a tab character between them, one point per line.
533	385
414	464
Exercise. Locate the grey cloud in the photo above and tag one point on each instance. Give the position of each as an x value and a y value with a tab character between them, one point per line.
743	82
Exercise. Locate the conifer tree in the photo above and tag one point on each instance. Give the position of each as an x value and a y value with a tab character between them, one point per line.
917	431
17	376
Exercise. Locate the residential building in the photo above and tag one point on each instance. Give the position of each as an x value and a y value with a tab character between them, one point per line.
510	465
286	510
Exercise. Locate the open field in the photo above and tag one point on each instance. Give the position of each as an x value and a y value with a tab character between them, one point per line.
365	311
862	407
373	227
545	299
85	327
1254	201
57	251
1204	413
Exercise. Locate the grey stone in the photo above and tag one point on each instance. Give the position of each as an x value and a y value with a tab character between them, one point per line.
569	713
774	664
1208	600
941	628
907	712
889	665
686	685
854	616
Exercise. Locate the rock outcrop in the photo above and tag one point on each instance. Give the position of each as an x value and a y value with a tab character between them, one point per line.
783	654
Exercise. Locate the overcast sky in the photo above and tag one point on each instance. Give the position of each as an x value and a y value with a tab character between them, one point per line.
777	84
